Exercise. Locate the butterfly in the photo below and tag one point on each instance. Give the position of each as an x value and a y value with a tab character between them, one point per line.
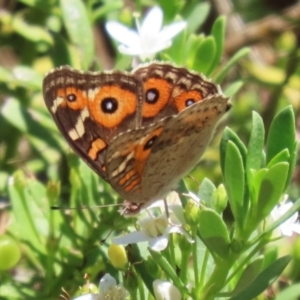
140	131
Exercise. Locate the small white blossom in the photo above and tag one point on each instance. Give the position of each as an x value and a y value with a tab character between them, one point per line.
164	290
289	226
156	229
150	37
108	290
88	297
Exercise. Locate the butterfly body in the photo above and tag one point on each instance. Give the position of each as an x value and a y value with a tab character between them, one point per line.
140	131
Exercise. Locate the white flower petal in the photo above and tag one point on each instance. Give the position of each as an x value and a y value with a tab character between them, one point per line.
106	282
88	297
296	228
123	34
164	290
158	244
194	197
170	31
180	230
158	203
152	22
130	50
285	230
289	226
131	238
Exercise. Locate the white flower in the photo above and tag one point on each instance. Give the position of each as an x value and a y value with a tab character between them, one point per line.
149	39
108	290
164	290
156	229
289	226
88	297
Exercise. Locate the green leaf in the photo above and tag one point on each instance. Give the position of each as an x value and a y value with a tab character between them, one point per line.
213	232
283	156
170	8
271	189
249	274
218	32
264	279
18	116
205	55
140	265
176	52
105	9
282	133
255	179
30	32
234	177
191	46
197	17
233	88
283	126
205	192
167	268
79	29
256	143
29	209
234	59
229	135
290	293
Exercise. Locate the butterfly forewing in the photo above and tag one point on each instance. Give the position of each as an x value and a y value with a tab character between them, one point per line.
168	90
90	109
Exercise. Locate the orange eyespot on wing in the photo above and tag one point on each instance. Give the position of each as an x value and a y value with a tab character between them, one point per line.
157	94
186	99
112	104
70	97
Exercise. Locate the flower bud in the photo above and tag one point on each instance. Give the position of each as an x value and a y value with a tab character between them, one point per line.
118	257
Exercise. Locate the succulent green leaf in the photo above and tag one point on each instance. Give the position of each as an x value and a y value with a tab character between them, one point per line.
271	189
218	32
292	293
234	176
205	192
249	274
283	126
79	29
263	280
205	55
282	156
229	135
197	16
213	232
234	59
256	143
233	88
